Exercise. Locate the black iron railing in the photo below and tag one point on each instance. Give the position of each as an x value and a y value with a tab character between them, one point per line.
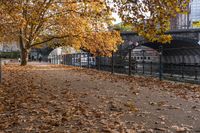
144	64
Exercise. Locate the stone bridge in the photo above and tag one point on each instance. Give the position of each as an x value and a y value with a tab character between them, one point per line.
185	44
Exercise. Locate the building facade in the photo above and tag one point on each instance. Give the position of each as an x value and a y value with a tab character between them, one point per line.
190	20
180	22
194	14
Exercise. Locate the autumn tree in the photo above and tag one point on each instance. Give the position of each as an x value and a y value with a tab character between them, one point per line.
150	18
81	24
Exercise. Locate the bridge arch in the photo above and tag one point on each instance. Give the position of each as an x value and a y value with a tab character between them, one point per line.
180	49
181	43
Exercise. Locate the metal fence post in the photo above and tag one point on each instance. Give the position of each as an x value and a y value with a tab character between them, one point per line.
171	70
69	59
151	68
74	55
0	70
160	62
57	59
64	59
112	63
60	59
99	63
80	60
72	60
88	59
130	63
63	56
196	72
136	67
53	59
96	64
182	69
142	61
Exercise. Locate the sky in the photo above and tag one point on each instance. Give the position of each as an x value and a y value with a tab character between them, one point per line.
118	20
115	15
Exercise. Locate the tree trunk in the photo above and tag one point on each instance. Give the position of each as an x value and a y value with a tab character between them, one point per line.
23	48
24	56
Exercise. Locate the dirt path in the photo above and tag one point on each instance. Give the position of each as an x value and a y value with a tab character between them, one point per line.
46	98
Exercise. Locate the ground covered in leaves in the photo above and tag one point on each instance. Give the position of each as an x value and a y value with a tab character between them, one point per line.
59	99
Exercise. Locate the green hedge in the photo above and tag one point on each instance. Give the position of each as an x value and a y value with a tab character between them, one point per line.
10	55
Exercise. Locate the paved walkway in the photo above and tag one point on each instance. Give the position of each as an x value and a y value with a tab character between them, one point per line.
52	98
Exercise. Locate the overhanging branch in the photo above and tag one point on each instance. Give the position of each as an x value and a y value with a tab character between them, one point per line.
52	38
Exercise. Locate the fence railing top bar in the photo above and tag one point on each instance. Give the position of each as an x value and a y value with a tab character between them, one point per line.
187	48
177	31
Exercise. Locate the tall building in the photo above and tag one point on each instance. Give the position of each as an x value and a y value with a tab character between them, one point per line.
180	22
190	20
194	14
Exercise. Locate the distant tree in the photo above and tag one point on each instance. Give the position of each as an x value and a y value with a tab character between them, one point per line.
122	27
81	24
150	18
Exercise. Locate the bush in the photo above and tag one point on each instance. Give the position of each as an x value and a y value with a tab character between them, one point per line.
10	55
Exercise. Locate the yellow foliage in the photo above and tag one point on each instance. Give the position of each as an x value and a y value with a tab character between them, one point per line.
81	24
